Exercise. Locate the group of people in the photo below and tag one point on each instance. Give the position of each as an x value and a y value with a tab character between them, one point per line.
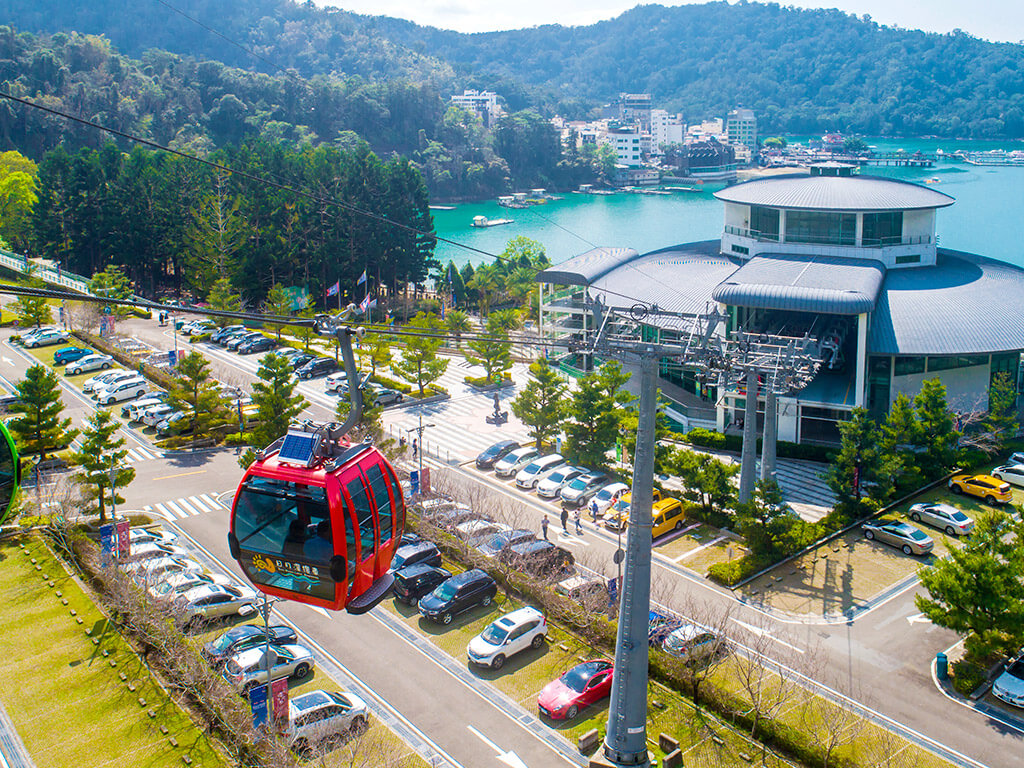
565	523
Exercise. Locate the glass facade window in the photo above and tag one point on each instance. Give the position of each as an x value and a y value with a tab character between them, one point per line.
879	385
905	366
740	249
1008	363
913	258
764	222
821	227
961	361
883	228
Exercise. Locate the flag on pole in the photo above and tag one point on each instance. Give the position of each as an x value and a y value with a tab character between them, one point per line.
362	278
333	290
367	303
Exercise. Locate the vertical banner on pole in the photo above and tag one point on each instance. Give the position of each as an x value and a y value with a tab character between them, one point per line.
258	702
279	701
123	539
414	482
107	542
425	481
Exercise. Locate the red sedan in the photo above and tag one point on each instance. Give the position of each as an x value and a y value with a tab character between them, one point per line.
580	687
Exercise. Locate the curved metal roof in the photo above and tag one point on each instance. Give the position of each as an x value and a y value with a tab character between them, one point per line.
965	304
835	193
831	285
587	267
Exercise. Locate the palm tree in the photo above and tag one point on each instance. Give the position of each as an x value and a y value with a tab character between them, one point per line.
457	323
488	281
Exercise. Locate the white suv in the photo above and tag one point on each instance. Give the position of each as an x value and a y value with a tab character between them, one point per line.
321	718
531	474
336	382
103	379
126	389
512	633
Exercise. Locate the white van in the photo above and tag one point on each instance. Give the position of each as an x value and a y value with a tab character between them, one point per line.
126	389
102	379
530	474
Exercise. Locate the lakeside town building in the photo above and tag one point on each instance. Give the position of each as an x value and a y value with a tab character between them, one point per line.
851	261
484	104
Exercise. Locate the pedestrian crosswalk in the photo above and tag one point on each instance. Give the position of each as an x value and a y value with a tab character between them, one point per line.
189	506
134	456
458	430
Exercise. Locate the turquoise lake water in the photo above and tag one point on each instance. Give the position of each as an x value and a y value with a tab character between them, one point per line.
987	218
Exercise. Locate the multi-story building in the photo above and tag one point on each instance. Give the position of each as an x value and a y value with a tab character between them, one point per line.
484	104
665	129
636	107
741	128
626	141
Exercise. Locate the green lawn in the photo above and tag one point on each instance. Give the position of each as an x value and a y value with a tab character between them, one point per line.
65	693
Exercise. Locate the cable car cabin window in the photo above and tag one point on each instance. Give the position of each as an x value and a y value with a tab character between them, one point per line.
396	487
363	506
379	486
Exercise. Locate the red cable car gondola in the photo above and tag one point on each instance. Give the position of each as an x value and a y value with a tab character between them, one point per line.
316	519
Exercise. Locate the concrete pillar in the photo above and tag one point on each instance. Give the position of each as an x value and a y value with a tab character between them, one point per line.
862	359
748	455
771	435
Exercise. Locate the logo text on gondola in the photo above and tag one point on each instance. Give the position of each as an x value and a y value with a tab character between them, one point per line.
300	571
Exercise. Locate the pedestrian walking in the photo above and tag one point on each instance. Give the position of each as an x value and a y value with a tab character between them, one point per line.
401	443
576	519
565	519
544	527
414	447
593	510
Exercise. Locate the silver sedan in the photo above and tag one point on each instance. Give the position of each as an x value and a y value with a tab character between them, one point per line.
899	535
944	517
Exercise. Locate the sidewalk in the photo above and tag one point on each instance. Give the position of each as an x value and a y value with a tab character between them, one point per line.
12	752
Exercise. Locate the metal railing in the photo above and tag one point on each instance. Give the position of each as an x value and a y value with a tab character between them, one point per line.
873	242
23	265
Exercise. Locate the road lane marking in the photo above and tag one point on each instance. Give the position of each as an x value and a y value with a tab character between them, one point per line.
509	758
760	632
918	618
181	474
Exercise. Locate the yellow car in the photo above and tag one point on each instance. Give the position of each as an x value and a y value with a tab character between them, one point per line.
986	487
669	515
617	517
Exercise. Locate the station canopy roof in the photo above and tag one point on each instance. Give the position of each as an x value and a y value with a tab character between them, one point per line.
835	193
829	285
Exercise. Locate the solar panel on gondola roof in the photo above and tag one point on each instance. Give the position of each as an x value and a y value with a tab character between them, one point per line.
299	448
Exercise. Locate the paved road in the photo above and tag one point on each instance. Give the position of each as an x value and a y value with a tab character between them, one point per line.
880	658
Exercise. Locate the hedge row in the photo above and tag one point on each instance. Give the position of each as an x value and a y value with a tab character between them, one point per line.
707	438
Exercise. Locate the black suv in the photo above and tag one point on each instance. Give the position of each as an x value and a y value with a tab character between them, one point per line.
540	559
415	581
495	453
320	366
457	594
420	552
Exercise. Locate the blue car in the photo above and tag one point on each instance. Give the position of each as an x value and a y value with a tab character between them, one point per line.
66	355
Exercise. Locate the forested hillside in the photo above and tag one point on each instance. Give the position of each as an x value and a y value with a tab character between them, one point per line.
800	70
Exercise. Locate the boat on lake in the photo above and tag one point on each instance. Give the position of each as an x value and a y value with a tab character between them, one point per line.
483	221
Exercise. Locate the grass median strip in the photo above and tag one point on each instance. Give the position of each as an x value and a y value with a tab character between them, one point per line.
65	693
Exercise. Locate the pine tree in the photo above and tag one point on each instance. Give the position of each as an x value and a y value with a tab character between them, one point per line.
493	350
420	364
223	299
766	522
34	310
861	474
40	429
100	452
708	481
195	394
277	303
1001	420
277	403
541	404
113	283
901	439
939	435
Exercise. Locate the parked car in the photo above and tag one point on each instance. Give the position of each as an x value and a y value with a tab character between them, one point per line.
1009	686
133	410
262	344
110	376
46	338
318	720
982	486
667	515
693	643
581	686
154	414
244	636
300	360
579	491
151	570
414	581
457	594
513	461
145	535
540	559
608	495
489	456
500	541
507	636
247	668
478	530
385	396
128	389
175	424
178	582
317	367
86	363
7	401
528	477
239	339
1011	473
198	327
336	381
147	549
215	601
551	485
411	554
33	332
900	535
66	355
659	626
226	331
942	516
448	519
1016	458
589	591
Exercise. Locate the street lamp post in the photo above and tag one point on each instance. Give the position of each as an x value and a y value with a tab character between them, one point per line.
419	442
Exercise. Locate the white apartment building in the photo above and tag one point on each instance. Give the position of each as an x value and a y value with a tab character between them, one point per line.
626	141
665	129
482	103
741	128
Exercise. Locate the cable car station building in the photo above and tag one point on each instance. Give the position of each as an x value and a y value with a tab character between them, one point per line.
850	260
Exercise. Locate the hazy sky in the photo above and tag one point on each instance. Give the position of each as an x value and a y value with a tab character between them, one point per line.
990	19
